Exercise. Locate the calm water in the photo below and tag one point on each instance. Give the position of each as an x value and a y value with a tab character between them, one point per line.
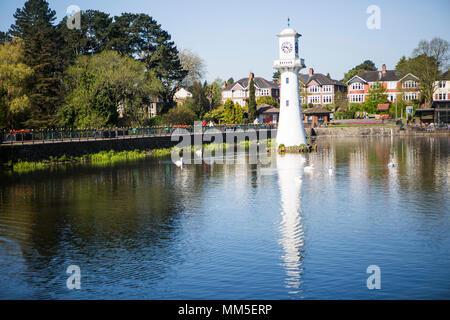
149	230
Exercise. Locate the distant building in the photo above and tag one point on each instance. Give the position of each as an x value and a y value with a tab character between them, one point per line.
408	85
316	116
239	90
442	91
267	114
181	96
318	89
150	108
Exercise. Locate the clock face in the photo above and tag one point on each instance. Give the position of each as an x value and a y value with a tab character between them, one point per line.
286	47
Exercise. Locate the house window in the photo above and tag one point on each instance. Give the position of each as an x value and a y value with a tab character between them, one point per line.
357	86
410	96
356	98
442	84
287	103
391	85
326	99
287	80
409	84
442	96
314	99
392	97
313	89
326	88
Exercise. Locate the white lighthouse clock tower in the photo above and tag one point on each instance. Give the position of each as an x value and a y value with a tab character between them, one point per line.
290	125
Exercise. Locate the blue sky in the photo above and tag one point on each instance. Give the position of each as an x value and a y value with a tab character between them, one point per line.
237	37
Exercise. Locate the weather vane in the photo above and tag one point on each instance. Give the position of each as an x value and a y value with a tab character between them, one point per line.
289	22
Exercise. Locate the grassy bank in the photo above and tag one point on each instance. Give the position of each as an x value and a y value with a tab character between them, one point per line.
110	157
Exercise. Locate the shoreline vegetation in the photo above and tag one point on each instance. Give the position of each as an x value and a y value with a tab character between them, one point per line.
111	157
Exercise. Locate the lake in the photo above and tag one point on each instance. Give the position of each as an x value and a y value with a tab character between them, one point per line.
149	230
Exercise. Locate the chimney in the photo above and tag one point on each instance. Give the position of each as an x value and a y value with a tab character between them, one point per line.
311	71
224	84
383	68
251	76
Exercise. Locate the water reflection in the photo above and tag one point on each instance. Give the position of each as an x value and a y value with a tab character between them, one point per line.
290	176
148	229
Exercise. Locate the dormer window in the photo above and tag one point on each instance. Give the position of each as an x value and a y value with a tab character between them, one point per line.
409	84
357	86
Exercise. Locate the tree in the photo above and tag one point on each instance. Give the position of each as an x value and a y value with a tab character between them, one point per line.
340	101
376	95
427	63
194	65
230	81
401	64
14	73
93	37
267	100
42	48
367	65
198	103
100	86
251	102
180	115
4	37
232	112
276	76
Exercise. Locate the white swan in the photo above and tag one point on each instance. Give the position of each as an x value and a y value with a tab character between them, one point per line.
179	163
309	168
391	164
330	171
199	153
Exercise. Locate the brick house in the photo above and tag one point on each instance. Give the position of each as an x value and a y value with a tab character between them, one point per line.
407	86
318	89
239	90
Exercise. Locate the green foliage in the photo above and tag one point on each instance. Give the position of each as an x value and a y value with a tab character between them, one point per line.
180	115
98	85
376	95
276	76
217	115
42	43
199	103
232	113
267	100
367	65
251	102
230	81
14	74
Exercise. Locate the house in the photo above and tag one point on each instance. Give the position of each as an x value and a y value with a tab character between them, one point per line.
239	90
267	114
181	95
318	89
407	86
442	91
316	116
150	107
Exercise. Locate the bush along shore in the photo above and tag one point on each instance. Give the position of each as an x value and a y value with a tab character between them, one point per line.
110	157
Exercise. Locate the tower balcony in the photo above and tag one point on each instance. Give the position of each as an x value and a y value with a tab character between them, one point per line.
289	63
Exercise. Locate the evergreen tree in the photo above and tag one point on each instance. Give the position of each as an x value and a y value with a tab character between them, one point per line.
93	37
42	47
276	76
251	102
